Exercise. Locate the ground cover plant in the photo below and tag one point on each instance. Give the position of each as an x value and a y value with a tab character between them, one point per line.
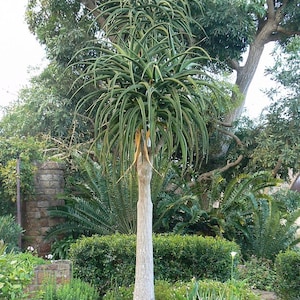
73	290
16	272
10	232
192	290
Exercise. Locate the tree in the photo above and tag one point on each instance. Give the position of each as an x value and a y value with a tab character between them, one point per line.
279	142
255	23
152	97
62	24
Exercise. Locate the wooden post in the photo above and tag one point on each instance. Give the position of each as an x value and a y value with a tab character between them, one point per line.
19	218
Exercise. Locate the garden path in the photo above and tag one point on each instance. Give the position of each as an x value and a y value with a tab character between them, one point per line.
266	295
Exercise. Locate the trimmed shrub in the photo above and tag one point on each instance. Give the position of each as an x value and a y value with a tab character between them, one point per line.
208	289
287	266
110	260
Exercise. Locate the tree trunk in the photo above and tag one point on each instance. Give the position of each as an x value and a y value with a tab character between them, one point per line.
244	77
245	74
144	273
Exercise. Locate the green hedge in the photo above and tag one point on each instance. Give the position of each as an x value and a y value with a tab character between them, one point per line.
287	266
110	260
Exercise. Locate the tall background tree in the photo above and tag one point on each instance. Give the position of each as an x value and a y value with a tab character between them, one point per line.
232	27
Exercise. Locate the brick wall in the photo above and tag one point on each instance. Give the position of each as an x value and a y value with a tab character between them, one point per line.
48	183
59	271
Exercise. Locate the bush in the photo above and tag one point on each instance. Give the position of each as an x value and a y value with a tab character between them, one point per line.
287	266
16	272
208	290
111	259
9	232
259	273
76	289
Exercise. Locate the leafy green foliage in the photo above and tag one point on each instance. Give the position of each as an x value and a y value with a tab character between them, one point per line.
16	272
98	203
10	232
278	141
76	289
258	273
287	267
45	110
157	86
108	260
255	220
60	247
195	290
287	199
28	150
224	36
272	231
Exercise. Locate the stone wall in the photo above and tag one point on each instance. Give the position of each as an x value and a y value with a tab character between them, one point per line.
58	272
48	183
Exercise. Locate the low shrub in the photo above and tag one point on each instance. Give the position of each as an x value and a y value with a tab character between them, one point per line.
195	290
75	289
259	273
108	260
16	272
10	232
287	266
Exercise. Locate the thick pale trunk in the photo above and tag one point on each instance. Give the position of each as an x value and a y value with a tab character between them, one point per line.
144	273
244	77
246	73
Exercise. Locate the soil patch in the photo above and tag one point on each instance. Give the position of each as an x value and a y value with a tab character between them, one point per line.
266	295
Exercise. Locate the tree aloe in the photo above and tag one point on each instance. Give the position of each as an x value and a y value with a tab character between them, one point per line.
152	97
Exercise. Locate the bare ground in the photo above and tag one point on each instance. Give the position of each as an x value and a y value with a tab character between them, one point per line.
266	295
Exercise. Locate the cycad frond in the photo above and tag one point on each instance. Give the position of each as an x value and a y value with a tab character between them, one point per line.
101	205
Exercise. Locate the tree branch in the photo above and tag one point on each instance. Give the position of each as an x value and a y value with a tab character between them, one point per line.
92	6
270	9
232	135
208	175
287	32
278	16
277	167
232	63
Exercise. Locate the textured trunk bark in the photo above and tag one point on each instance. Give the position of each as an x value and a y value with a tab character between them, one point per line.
244	77
246	73
144	273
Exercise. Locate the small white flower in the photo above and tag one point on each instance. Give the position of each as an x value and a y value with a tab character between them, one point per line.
283	222
216	204
233	254
49	256
30	249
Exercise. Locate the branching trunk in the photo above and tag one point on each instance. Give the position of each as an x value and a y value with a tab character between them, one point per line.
268	30
144	274
244	77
